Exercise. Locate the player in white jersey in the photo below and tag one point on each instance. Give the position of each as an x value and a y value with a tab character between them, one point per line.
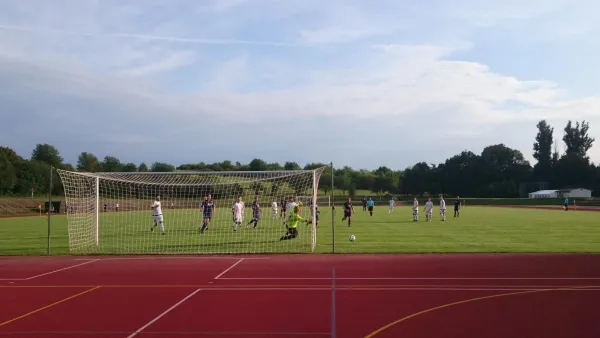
292	203
442	208
274	209
391	207
415	210
428	209
157	215
238	200
237	209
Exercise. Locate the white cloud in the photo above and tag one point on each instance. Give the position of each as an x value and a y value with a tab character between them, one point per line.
115	78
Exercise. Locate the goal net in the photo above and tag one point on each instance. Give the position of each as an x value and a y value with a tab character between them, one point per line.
322	200
112	213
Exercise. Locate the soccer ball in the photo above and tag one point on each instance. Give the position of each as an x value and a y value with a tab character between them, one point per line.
352	238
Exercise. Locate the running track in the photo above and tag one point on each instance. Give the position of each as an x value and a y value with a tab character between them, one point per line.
346	296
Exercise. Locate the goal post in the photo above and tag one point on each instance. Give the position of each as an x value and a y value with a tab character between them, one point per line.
111	213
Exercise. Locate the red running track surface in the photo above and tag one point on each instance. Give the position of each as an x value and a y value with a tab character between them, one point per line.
416	296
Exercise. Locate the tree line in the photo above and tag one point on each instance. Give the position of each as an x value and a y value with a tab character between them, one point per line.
498	171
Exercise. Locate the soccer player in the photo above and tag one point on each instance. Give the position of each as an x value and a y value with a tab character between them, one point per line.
391	207
566	204
157	215
348	211
292	203
208	208
442	208
292	223
364	204
255	212
370	204
283	208
117	206
457	204
243	208
237	209
415	210
274	209
428	209
315	217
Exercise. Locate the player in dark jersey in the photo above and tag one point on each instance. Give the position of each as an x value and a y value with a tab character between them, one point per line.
364	204
255	212
208	208
284	204
457	204
348	211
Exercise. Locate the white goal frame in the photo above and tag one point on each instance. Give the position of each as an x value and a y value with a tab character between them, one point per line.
94	181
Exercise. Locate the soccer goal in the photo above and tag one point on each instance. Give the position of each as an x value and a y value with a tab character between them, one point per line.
111	213
322	200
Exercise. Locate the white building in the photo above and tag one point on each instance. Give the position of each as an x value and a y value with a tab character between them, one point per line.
570	193
576	192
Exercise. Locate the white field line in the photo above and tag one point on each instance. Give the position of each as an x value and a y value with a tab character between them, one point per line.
341	288
167	258
229	268
412	278
49	273
138	331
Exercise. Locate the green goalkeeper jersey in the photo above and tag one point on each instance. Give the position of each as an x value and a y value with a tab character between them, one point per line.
293	219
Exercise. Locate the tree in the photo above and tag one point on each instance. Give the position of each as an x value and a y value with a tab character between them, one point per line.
143	168
88	162
8	174
291	166
48	154
129	168
162	167
542	151
577	140
111	164
11	155
258	165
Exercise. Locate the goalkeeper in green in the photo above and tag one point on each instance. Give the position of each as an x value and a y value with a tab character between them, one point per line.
292	223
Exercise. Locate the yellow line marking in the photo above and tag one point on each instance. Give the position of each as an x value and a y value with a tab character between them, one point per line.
48	306
387	326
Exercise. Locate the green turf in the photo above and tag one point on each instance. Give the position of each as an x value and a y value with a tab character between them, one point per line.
479	229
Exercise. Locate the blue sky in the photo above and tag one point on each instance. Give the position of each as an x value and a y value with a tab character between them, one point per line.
359	83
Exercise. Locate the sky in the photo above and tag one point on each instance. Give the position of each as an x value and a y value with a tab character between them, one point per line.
358	83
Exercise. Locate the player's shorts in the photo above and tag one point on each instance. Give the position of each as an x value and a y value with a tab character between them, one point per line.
347	213
370	208
429	212
238	218
256	216
293	231
456	208
207	216
415	210
157	218
566	205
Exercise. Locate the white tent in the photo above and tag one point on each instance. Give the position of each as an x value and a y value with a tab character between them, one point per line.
544	194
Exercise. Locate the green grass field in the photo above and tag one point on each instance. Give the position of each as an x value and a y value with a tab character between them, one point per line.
479	229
